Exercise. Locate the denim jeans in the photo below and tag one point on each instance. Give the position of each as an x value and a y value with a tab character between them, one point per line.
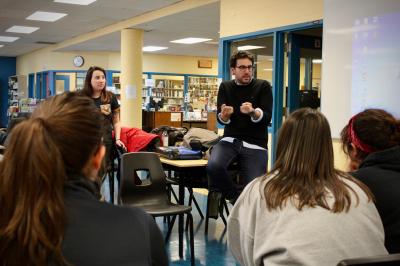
252	163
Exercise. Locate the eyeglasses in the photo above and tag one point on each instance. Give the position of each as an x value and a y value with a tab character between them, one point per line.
243	68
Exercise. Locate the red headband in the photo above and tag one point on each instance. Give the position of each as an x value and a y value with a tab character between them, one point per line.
356	141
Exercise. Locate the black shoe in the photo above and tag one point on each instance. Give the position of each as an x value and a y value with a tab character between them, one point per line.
214	197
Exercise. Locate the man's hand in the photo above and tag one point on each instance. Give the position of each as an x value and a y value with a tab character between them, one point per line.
226	112
246	108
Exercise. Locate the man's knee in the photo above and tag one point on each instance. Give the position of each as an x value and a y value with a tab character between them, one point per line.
215	166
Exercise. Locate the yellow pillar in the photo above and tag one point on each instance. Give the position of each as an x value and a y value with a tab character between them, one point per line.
131	77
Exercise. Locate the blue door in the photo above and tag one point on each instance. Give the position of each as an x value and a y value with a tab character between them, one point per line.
62	83
38	93
31	83
304	68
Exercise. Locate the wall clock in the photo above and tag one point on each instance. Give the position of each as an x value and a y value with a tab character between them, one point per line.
78	61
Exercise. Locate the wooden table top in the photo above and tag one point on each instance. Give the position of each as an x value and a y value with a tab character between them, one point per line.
184	163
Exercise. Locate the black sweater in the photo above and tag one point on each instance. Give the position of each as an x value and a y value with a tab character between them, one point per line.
380	171
259	93
99	233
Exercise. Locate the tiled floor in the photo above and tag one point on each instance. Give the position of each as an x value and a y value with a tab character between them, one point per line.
210	249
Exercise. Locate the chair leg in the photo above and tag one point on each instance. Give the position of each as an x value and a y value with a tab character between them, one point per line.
226	207
187	225
207	214
171	225
167	219
180	234
111	184
190	197
168	190
119	181
197	206
192	257
221	210
174	195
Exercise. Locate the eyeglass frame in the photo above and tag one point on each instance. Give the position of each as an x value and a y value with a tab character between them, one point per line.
243	67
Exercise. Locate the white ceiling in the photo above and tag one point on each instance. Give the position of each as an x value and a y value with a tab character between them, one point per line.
199	22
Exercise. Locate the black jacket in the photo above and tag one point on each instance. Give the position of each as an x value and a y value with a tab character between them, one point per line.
380	171
99	233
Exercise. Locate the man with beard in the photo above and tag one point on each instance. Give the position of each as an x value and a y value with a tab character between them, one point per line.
245	108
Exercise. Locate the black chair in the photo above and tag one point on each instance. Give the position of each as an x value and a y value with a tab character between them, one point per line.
384	260
151	196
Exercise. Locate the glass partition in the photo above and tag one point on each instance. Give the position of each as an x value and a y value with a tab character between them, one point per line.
262	50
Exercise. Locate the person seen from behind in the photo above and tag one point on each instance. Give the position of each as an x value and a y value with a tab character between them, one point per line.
304	211
50	209
371	139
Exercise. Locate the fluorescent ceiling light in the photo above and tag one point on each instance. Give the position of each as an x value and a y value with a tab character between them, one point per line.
317	61
8	39
267	69
76	2
1	45
153	48
22	29
249	47
46	16
191	40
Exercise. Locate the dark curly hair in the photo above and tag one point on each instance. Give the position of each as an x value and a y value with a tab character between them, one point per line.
240	55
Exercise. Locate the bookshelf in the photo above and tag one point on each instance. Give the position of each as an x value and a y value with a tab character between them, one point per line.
17	89
171	89
203	92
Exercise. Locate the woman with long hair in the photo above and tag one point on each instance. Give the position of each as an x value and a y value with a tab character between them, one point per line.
50	212
371	139
304	211
106	101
